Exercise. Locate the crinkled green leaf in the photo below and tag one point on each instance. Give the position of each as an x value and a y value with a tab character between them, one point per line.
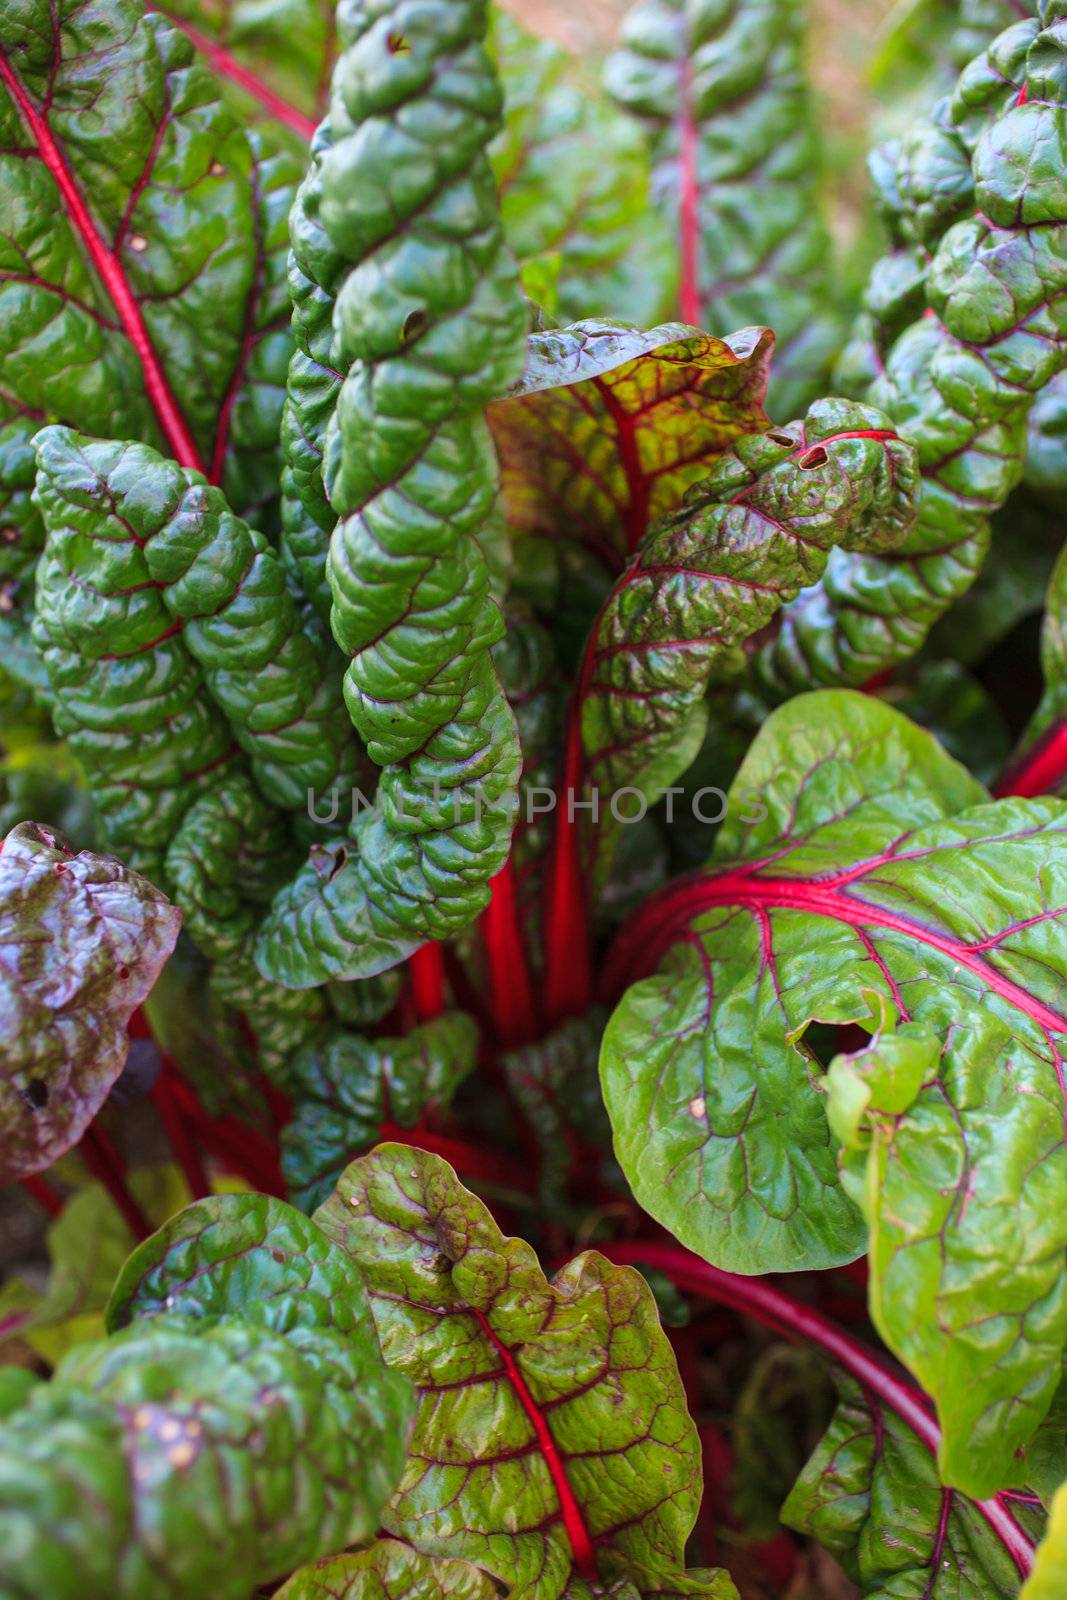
346	1087
389	1571
83	939
243	1425
857	858
121	518
721	90
610	425
573	173
402	222
871	1495
21	538
746	540
138	281
980	191
549	1412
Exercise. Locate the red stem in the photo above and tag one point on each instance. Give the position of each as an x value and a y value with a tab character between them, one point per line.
172	423
47	1198
573	1520
1041	770
757	1298
568	968
105	1164
426	968
689	220
510	990
226	66
178	1131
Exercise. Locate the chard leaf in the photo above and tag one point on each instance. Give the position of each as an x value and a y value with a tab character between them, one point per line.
753	533
389	1571
872	1496
164	1458
123	257
119	515
609	426
407	448
346	1087
21	539
961	379
573	173
859	860
552	1442
721	92
83	940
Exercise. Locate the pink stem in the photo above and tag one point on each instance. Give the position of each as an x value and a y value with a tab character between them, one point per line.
760	1299
105	1164
426	968
173	424
689	221
179	1134
49	1199
1041	770
510	990
226	66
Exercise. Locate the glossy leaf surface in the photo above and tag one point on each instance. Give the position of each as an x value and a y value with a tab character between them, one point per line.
858	859
83	940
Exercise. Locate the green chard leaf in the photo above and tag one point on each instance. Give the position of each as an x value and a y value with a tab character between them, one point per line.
142	287
858	860
872	1496
721	91
346	1087
389	1571
552	1446
165	1456
978	194
573	173
401	219
21	539
84	939
119	515
757	529
610	425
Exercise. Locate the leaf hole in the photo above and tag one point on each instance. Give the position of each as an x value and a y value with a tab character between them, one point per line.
277	1255
124	973
816	457
415	322
781	438
37	1093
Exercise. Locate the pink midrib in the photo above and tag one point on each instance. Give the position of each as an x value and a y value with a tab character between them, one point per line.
227	66
171	421
571	1512
660	923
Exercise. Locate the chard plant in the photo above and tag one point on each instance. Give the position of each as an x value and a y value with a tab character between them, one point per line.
533	882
